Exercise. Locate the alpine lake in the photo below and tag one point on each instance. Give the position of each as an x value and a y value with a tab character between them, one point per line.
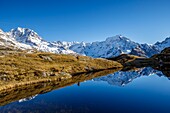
142	90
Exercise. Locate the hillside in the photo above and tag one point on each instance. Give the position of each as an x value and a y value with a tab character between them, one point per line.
24	67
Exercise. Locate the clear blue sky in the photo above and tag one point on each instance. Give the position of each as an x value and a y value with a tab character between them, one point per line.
89	20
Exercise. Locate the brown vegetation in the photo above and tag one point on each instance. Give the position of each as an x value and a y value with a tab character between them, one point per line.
18	68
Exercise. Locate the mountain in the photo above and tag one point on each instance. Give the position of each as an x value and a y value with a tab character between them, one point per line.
26	36
161	45
112	46
27	39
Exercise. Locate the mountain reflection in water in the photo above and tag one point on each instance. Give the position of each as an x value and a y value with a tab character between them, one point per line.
25	93
122	78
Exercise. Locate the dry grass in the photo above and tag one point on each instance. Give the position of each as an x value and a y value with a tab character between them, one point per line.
124	58
21	64
26	68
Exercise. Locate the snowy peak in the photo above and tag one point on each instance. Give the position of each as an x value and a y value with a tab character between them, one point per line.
116	38
26	36
23	38
112	46
161	45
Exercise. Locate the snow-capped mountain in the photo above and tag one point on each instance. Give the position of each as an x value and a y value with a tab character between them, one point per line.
23	38
26	39
26	36
121	78
112	46
161	45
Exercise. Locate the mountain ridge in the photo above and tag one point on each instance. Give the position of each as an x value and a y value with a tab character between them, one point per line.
24	38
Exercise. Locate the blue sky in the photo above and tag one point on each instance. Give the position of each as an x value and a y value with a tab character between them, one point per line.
144	21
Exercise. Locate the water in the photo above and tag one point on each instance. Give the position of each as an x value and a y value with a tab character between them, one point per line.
141	91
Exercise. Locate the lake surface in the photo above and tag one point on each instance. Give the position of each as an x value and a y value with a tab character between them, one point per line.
142	91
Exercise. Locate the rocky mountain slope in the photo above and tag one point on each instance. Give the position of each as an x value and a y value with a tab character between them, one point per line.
23	38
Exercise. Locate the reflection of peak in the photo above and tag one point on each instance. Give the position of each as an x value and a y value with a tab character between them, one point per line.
28	98
122	78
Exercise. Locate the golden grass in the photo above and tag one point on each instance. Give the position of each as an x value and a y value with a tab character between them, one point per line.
124	58
22	67
19	64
